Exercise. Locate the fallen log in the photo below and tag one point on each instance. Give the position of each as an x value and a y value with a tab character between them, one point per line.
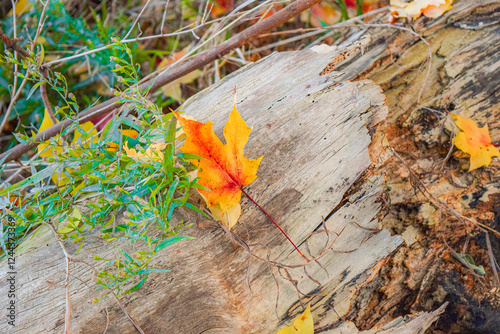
314	133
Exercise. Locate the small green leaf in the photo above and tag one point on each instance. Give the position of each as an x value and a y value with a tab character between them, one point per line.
137	286
64	230
33	89
468	261
149	271
170	241
42	54
76	214
110	221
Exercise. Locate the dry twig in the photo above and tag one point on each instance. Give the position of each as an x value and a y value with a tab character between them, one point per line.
19	91
13	44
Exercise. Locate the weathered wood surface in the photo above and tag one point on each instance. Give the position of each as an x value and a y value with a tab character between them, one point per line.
313	133
464	79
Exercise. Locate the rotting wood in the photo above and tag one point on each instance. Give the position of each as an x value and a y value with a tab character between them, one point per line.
402	325
464	79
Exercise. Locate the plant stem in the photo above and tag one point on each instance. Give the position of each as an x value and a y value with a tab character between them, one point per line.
275	223
359	7
343	10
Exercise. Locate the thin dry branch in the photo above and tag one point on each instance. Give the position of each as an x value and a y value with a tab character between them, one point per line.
45	97
191	64
19	90
67	257
137	327
13	44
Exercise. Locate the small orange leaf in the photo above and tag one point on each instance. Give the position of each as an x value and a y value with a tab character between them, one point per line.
474	141
171	59
322	15
224	169
221	7
125	133
173	89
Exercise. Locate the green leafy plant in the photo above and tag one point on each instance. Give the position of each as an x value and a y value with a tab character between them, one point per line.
101	182
63	36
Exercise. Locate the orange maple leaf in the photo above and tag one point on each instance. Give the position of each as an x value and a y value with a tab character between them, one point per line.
475	141
224	170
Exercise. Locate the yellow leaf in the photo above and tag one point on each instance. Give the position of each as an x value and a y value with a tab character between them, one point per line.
228	218
303	324
153	153
44	148
77	188
48	150
413	9
22	6
173	89
60	178
90	135
180	134
474	141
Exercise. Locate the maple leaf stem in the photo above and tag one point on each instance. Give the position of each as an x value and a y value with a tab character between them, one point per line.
275	223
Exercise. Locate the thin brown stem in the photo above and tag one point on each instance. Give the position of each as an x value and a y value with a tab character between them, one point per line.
45	97
137	327
492	259
275	223
67	318
25	80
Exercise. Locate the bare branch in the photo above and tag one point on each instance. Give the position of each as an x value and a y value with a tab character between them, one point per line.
23	83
